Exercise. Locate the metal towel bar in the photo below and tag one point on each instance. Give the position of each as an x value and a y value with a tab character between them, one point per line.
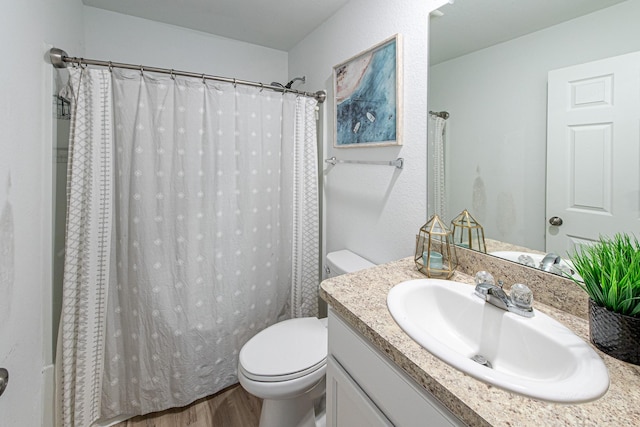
399	162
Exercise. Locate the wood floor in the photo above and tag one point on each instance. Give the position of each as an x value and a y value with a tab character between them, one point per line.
232	407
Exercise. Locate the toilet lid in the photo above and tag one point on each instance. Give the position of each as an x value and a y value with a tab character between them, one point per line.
287	350
345	261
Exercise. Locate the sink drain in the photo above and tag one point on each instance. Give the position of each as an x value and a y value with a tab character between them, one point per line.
478	358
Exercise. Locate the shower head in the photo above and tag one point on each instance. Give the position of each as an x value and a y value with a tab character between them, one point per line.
441	114
288	85
303	79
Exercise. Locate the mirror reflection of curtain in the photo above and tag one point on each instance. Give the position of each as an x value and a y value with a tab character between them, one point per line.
203	254
439	168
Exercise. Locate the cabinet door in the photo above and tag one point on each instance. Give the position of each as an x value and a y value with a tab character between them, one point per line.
390	390
347	404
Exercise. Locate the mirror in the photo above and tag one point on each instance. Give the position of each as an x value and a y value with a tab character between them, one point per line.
489	62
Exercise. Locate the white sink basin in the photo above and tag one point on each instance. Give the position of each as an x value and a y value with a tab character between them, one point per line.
566	265
536	357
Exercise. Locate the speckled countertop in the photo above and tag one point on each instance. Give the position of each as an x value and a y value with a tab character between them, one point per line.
360	298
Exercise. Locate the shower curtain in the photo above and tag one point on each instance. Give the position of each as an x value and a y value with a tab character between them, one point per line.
87	269
439	172
206	215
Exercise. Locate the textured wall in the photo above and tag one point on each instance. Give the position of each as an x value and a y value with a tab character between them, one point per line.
122	38
373	210
26	175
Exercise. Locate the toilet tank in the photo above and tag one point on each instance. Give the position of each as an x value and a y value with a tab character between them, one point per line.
345	261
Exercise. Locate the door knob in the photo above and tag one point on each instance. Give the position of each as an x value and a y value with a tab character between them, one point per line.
555	220
4	380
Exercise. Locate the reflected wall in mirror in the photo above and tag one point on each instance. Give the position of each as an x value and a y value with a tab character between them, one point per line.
497	99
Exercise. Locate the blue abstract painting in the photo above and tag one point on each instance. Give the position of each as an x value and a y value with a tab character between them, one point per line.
366	90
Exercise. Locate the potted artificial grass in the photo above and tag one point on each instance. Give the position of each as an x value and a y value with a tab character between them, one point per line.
610	269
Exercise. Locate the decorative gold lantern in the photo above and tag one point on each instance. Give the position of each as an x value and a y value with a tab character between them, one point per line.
467	232
435	253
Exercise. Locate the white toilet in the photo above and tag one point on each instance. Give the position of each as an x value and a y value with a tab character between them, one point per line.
285	364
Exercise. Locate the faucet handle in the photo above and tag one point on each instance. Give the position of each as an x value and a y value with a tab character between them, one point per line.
522	296
484	277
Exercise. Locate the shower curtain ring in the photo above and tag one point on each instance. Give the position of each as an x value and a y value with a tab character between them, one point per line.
203	79
173	77
261	87
110	67
234	83
141	70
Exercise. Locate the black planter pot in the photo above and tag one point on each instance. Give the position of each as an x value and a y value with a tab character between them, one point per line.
615	334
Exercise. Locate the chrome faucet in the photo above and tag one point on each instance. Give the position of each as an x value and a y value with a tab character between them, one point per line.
520	301
550	261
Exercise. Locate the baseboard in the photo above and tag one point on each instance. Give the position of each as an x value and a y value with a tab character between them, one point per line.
48	396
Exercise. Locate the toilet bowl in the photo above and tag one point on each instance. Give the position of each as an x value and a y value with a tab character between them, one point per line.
285	364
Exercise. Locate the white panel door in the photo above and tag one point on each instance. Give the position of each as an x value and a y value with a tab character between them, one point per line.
593	154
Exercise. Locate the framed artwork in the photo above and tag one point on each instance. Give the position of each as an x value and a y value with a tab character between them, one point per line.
368	97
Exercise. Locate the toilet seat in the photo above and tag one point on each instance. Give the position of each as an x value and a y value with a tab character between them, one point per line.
287	377
285	351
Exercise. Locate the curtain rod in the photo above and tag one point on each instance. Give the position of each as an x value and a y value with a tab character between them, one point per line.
60	59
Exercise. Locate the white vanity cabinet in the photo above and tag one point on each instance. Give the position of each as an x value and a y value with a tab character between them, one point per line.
365	388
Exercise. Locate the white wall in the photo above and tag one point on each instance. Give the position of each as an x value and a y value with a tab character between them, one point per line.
497	129
375	211
27	27
121	38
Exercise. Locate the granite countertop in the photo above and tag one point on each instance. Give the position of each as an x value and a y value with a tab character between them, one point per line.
361	299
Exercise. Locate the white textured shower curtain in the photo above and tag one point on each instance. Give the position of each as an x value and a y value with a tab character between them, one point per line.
215	234
439	165
88	251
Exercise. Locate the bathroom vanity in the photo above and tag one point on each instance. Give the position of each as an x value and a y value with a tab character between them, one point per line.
377	375
358	398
